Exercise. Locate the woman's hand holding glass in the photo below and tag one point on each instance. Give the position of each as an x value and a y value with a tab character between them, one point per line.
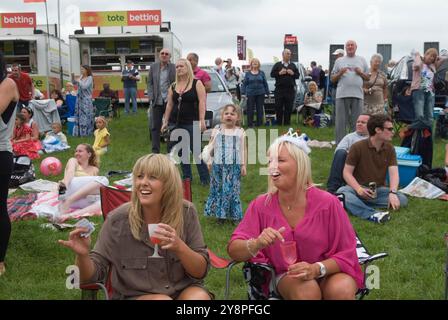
304	271
168	237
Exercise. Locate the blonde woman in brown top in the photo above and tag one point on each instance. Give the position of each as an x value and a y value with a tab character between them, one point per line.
124	245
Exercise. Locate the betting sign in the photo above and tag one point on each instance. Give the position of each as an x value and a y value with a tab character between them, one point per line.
121	18
18	20
292	43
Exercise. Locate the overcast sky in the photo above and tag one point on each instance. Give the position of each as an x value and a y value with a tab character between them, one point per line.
210	27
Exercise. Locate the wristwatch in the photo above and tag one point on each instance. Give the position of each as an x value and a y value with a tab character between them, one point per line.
393	191
322	270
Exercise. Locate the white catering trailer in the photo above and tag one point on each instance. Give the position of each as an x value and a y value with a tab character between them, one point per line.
108	39
38	54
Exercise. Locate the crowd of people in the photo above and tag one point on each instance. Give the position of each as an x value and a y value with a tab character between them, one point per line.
292	210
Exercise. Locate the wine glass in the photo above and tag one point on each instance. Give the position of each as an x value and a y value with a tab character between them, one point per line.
151	229
289	251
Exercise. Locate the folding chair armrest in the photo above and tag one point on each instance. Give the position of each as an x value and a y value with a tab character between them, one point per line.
228	270
373	258
95	287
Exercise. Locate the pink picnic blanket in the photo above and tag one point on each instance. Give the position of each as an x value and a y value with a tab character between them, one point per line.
44	204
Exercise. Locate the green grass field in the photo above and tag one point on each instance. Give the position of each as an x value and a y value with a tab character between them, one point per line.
36	264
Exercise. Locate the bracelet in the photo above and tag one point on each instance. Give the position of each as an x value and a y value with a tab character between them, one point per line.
360	189
248	248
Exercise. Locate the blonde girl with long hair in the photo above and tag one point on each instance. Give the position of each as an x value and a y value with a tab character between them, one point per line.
185	110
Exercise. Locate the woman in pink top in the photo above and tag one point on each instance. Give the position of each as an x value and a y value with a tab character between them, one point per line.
294	210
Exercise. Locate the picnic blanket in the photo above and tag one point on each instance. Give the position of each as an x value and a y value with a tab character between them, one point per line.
41	205
19	207
46	206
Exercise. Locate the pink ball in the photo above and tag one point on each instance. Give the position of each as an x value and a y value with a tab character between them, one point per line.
51	166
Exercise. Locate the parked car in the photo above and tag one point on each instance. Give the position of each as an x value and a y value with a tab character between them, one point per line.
301	87
218	97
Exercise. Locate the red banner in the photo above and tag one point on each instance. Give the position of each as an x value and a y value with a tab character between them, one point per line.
291	40
18	20
145	18
31	1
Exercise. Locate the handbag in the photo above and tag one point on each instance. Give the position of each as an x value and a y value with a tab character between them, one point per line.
373	84
207	153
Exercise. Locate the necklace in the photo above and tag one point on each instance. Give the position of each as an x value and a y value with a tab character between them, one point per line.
181	93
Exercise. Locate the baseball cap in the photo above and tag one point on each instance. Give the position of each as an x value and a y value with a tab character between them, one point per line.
338	51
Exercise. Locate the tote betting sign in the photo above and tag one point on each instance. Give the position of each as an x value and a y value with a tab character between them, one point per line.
121	18
18	20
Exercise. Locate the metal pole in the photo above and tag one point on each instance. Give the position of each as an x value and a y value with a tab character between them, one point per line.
48	51
61	69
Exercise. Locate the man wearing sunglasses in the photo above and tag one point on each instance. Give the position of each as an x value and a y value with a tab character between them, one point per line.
368	163
161	74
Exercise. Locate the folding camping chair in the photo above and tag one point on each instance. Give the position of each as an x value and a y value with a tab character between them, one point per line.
103	107
112	198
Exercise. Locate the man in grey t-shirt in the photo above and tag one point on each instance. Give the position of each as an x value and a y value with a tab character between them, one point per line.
349	72
335	179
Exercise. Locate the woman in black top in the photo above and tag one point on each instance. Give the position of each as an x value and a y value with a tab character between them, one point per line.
9	96
185	110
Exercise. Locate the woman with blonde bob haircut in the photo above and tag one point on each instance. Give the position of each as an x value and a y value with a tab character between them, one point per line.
295	213
124	245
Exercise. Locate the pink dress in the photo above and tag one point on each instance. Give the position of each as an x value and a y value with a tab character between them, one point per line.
324	232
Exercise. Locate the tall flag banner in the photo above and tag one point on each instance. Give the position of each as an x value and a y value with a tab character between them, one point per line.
31	1
241	48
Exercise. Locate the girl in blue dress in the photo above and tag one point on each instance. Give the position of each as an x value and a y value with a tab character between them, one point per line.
227	167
